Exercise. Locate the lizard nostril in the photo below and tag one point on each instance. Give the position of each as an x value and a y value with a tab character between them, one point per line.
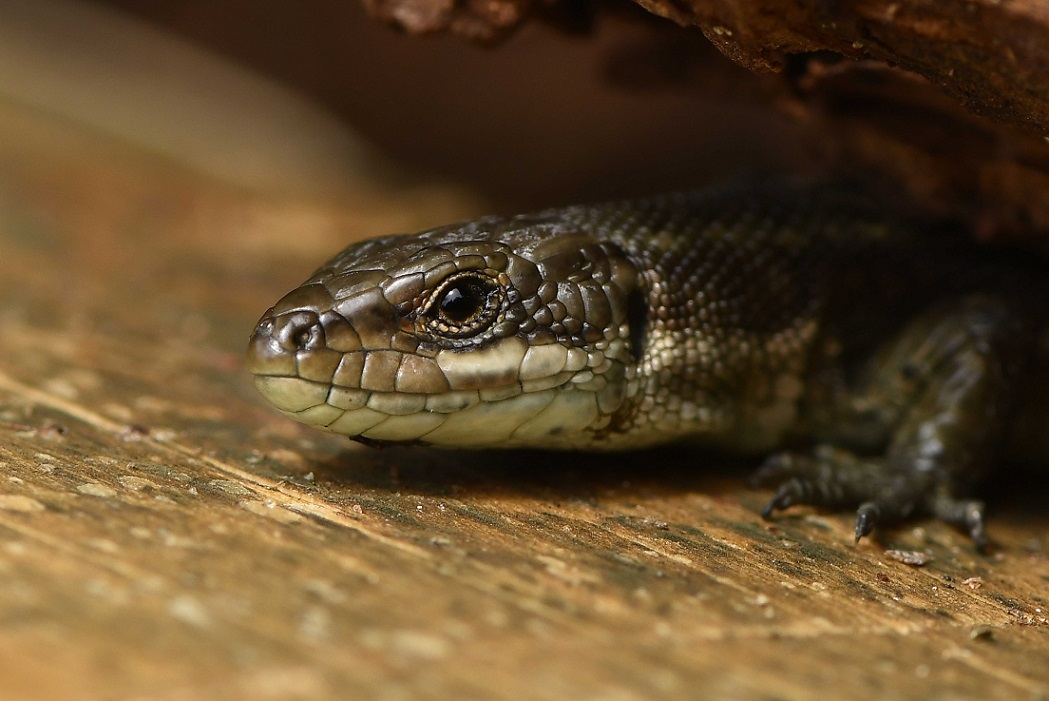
300	330
303	337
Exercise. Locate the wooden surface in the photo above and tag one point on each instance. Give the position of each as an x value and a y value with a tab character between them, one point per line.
165	536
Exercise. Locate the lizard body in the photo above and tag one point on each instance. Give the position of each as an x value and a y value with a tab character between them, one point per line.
750	319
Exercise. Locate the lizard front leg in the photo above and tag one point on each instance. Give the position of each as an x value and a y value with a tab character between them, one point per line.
925	417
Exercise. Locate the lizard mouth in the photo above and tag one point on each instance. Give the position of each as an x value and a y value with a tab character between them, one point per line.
460	399
457	419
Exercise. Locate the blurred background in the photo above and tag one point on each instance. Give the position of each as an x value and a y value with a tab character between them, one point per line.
300	97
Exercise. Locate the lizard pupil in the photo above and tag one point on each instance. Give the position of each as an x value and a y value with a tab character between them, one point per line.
461	302
463	306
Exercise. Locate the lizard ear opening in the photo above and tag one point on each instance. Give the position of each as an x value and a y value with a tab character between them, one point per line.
637	318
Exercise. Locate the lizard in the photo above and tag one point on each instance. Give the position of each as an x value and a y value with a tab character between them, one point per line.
878	365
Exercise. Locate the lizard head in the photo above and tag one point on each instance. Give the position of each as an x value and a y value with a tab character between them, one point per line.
500	332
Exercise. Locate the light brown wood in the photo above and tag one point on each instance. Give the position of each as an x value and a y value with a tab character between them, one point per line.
164	535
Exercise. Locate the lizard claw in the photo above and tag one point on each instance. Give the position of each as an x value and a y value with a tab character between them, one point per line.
867	517
795	491
968	515
975	525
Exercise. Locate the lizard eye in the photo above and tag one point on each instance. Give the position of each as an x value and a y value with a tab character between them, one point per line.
464	305
462	302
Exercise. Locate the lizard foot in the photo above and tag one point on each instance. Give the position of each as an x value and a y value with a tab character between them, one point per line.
965	514
883	492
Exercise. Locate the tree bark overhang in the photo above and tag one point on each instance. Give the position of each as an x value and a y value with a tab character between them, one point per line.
948	102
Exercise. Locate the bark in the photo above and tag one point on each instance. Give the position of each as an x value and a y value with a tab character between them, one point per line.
945	103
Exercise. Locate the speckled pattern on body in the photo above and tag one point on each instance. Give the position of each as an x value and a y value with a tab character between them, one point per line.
752	319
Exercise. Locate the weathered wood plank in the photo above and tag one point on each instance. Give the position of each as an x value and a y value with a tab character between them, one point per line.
163	535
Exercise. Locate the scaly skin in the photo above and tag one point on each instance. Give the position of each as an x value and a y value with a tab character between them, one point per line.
748	319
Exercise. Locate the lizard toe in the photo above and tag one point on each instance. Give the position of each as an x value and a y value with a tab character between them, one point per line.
775	468
969	515
867	517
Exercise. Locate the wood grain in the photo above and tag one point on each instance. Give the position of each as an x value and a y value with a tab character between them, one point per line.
164	535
